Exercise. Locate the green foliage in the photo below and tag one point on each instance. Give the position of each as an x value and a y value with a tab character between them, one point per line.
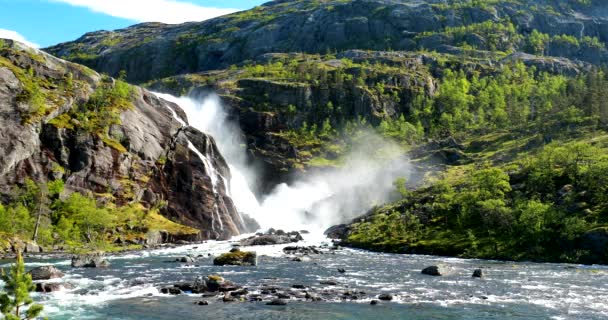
15	301
102	110
401	187
497	36
83	212
539	211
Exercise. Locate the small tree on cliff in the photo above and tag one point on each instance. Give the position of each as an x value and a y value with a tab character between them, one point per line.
16	295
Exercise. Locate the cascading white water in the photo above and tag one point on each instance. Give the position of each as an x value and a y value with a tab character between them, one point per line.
312	203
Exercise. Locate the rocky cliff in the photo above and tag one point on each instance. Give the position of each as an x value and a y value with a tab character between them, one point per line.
64	121
572	29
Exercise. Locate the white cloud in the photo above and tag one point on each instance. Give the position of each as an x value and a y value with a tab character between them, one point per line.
10	34
166	11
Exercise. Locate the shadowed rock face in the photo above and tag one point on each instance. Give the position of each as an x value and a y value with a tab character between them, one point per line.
318	27
157	166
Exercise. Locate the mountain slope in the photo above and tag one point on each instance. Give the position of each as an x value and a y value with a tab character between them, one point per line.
564	28
64	124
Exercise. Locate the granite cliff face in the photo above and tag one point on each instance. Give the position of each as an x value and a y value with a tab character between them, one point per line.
145	156
149	51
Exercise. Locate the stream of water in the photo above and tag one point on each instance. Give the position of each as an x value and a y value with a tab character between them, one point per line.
129	289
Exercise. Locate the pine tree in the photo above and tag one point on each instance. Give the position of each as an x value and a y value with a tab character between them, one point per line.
16	297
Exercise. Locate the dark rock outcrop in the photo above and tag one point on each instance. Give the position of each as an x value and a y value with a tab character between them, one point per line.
277	302
438	270
477	273
385	297
338	232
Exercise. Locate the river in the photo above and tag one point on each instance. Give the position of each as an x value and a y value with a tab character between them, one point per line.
509	290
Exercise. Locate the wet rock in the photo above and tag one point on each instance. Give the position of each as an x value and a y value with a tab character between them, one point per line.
272	237
385	297
48	287
341	270
202	303
301	250
186	259
95	260
301	259
478	273
228	298
213	283
236	258
298	286
339	232
374	302
45	273
277	302
239	292
171	290
439	270
282	295
328	283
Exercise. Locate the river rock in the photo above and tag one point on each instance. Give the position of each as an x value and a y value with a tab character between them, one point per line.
202	303
439	270
171	290
301	250
478	273
385	297
95	260
272	237
186	259
45	273
374	302
48	287
236	258
277	302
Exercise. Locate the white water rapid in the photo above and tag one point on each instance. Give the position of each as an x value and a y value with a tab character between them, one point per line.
313	203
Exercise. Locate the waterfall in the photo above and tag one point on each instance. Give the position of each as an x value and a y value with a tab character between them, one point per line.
314	202
213	174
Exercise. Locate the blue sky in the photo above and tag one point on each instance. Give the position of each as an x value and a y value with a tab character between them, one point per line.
47	22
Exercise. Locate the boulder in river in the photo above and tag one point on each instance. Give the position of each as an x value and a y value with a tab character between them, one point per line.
272	237
45	273
171	290
94	260
277	302
385	297
185	259
438	270
478	273
48	287
301	250
236	258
